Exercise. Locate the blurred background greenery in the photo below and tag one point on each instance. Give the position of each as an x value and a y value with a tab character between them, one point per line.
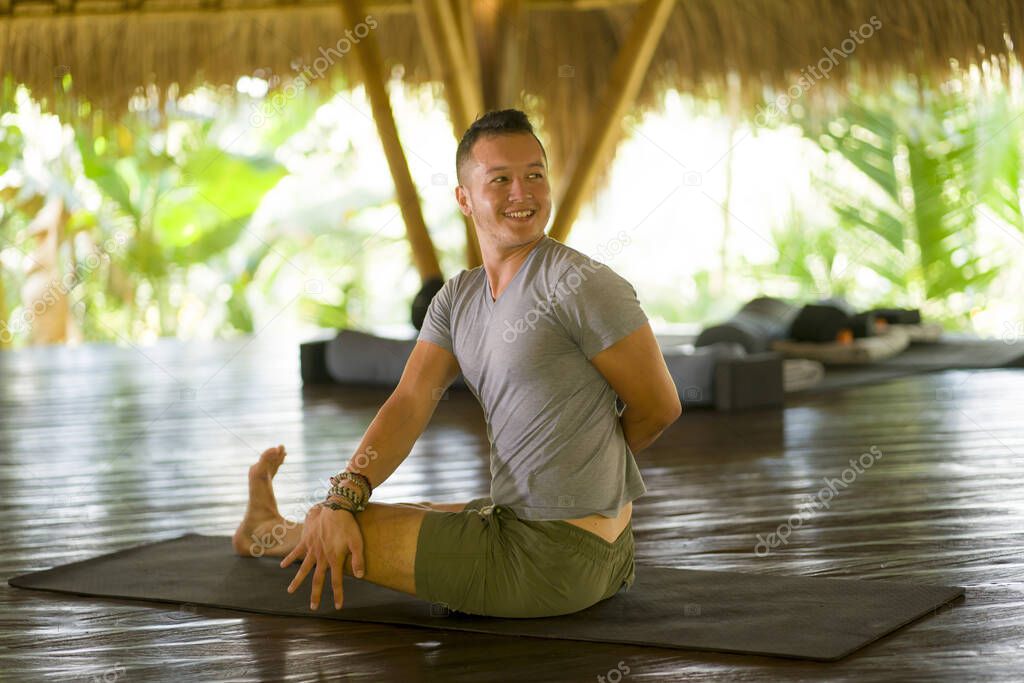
210	213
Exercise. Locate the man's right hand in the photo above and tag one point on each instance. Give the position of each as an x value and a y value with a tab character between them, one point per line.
328	537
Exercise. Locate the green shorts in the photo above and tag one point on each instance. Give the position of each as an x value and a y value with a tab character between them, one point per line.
486	561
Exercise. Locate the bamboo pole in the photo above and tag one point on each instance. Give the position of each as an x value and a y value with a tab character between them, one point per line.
512	24
368	54
452	71
454	50
430	47
502	32
135	7
627	75
463	13
467	27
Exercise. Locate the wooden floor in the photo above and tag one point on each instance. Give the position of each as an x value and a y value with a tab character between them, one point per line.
104	448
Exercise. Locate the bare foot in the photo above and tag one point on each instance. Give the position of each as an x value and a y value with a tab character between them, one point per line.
264	531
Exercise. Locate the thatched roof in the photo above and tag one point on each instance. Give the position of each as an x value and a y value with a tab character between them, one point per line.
112	46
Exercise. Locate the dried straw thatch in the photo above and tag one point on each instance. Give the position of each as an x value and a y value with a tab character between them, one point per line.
710	47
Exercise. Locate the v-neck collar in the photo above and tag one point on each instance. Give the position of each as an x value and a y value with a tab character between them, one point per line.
489	299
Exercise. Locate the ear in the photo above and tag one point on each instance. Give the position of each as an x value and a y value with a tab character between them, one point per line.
462	197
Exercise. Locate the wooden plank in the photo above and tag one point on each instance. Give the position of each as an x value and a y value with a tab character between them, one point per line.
627	75
105	447
368	54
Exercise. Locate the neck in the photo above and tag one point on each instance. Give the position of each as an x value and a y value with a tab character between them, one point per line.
502	263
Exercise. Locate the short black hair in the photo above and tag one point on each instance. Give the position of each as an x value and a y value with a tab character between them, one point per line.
494	122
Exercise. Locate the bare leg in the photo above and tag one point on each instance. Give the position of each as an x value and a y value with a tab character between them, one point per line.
390	531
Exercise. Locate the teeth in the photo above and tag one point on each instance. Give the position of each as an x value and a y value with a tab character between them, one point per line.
519	214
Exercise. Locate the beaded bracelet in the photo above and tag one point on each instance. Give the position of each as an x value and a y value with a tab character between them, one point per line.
356	497
358	479
342	492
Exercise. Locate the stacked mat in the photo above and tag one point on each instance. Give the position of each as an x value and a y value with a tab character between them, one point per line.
856	348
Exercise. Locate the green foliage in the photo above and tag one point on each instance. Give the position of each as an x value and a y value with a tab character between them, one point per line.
931	160
810	263
181	206
177	205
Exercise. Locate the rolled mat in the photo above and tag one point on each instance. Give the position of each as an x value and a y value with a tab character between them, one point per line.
815	618
755	326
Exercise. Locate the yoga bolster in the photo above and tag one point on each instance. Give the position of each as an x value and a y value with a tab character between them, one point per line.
355	357
821	322
898	316
755	326
864	325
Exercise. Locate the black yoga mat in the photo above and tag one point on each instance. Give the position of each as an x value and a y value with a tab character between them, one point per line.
787	616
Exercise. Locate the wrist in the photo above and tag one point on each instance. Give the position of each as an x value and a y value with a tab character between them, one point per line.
352	487
334	503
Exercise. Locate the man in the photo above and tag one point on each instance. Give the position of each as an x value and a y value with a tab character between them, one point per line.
547	340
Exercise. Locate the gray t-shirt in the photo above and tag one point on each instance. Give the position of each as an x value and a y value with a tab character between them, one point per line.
557	446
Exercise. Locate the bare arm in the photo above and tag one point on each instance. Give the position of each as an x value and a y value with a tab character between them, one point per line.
403	417
328	536
635	368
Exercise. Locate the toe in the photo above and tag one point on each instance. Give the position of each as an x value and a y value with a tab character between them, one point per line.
272	456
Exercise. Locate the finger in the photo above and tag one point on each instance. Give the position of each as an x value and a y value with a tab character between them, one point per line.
318	583
307	566
337	569
356	548
297	551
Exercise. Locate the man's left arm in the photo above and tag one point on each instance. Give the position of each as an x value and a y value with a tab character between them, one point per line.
635	368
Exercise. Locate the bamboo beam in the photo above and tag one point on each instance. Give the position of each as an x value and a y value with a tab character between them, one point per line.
368	55
431	17
502	32
454	50
430	46
511	46
467	28
43	9
464	15
627	76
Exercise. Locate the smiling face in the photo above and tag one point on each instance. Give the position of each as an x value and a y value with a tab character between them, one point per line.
506	190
